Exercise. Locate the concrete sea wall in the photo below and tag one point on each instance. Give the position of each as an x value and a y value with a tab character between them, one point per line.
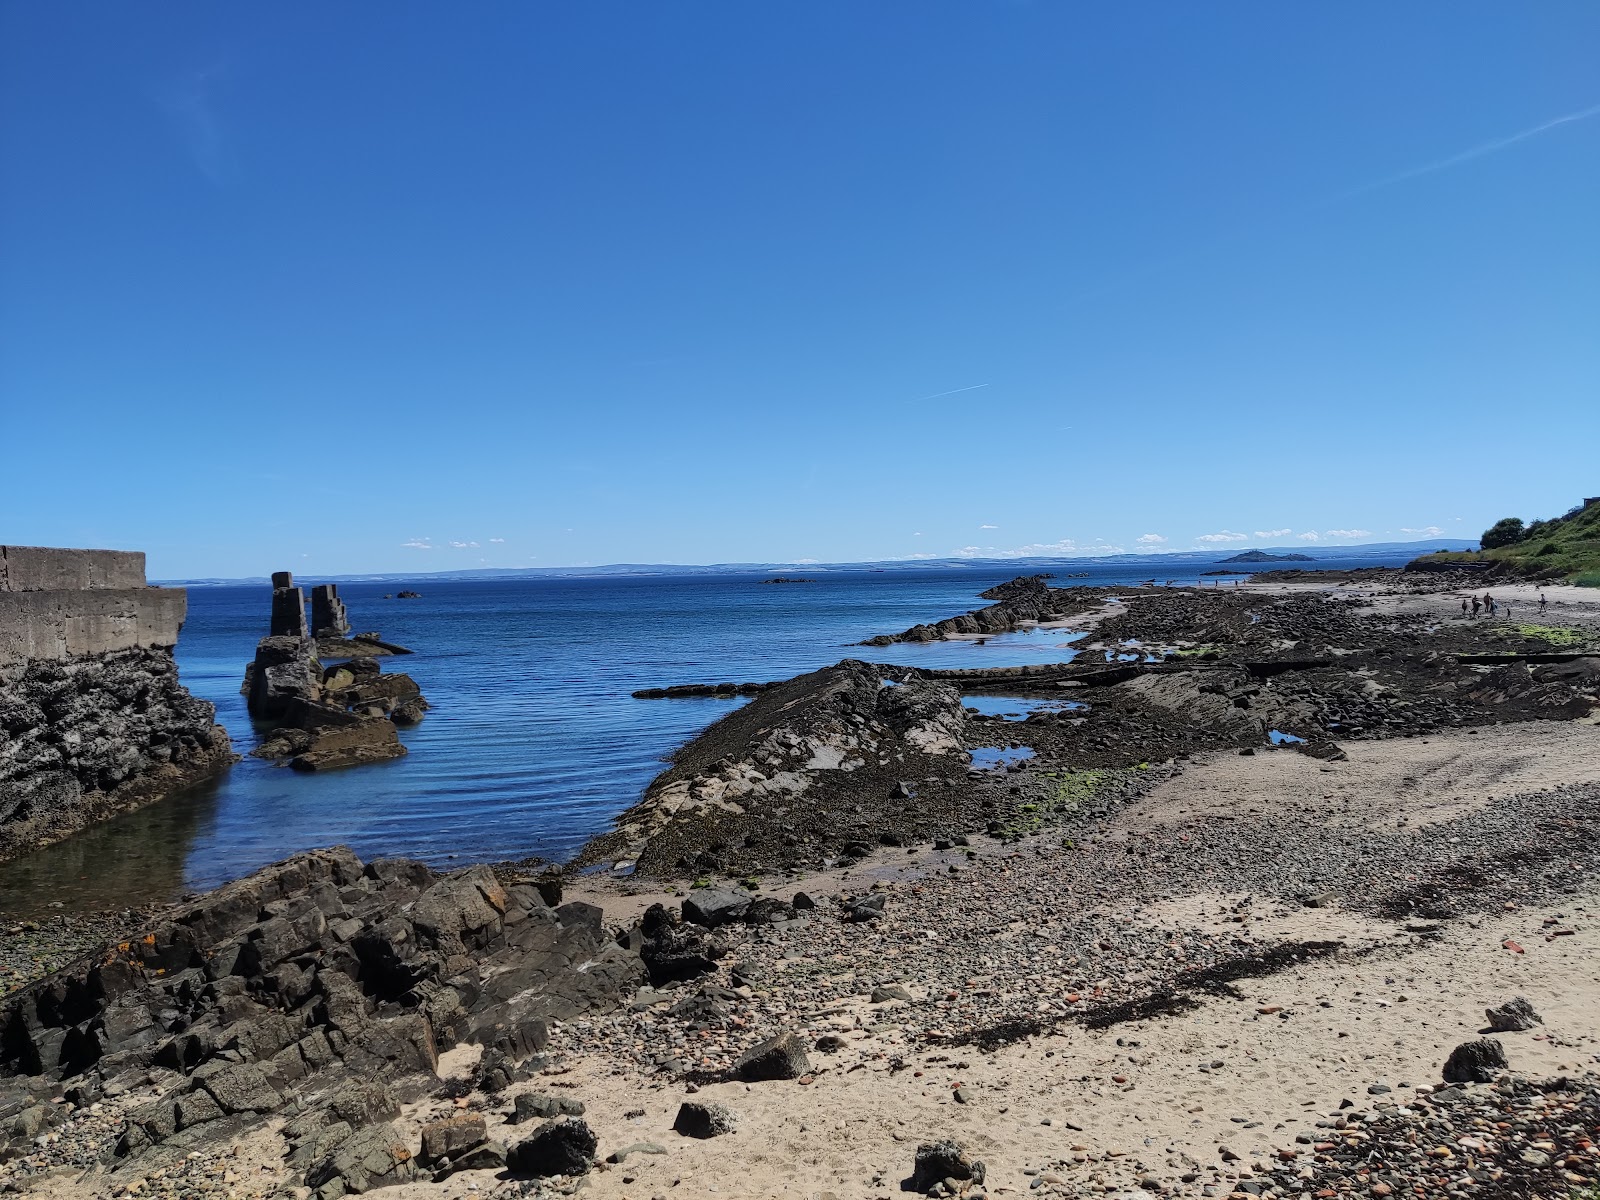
93	719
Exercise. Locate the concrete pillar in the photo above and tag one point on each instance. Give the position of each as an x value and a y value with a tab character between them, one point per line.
328	618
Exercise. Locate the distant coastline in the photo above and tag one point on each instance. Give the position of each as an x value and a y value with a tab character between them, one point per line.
1328	554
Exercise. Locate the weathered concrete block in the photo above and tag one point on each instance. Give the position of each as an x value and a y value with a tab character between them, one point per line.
288	613
48	569
328	618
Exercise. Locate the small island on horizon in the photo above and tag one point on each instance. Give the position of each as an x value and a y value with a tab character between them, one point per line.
1259	556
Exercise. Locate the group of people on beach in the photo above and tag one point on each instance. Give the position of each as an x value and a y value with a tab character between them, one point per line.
1493	606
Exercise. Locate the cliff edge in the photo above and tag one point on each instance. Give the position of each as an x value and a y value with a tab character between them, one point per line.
93	719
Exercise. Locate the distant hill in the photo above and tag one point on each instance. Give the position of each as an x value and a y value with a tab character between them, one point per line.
1565	547
1255	556
1397	552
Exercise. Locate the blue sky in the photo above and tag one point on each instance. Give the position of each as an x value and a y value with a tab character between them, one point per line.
368	286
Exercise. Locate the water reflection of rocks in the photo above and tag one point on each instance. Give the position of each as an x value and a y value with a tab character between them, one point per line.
129	861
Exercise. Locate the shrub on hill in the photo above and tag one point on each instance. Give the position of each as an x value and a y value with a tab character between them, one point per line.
1507	531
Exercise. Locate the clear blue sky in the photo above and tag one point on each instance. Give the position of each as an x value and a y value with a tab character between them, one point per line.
332	287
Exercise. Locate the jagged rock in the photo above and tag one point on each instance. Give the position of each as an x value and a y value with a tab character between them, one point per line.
285	669
782	1057
712	907
561	1147
768	910
1513	1016
937	1161
531	1106
703	1119
490	1156
341	739
451	1137
1475	1062
673	951
375	1157
319	989
331	718
461	912
865	908
238	1087
885	992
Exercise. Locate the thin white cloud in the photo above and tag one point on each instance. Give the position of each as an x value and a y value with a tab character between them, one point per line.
1150	539
1349	533
1310	535
417	544
1425	531
189	105
1211	539
1273	533
1066	547
988	527
462	545
806	562
951	392
1489	147
496	541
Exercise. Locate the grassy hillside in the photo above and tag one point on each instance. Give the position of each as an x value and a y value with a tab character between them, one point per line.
1564	547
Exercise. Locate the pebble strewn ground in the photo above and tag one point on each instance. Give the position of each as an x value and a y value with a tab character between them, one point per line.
1008	941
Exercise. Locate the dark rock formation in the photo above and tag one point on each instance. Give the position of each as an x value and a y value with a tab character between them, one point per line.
339	716
1475	1062
937	1161
854	727
328	618
93	718
561	1147
1025	599
782	1057
1514	1016
703	1119
323	988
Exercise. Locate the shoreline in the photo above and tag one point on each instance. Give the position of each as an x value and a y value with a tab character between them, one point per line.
1119	976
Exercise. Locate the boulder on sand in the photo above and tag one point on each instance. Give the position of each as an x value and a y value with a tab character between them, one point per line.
562	1147
938	1161
782	1057
1514	1016
1475	1062
703	1119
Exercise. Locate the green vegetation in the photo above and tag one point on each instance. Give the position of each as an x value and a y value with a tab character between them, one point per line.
1566	547
1505	532
1556	635
1073	789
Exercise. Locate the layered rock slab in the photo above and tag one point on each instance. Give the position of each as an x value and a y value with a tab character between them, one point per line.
271	994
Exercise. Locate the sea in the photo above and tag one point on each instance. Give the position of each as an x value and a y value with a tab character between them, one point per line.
534	743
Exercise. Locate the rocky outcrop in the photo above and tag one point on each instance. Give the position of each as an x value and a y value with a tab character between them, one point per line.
321	988
854	727
341	715
1021	601
93	718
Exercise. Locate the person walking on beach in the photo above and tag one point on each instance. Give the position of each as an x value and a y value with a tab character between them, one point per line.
1474	606
1488	603
1463	608
1541	604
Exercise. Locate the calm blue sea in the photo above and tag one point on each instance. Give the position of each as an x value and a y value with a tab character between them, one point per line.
534	743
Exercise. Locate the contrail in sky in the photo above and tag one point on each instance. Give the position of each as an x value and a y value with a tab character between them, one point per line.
1476	152
951	392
